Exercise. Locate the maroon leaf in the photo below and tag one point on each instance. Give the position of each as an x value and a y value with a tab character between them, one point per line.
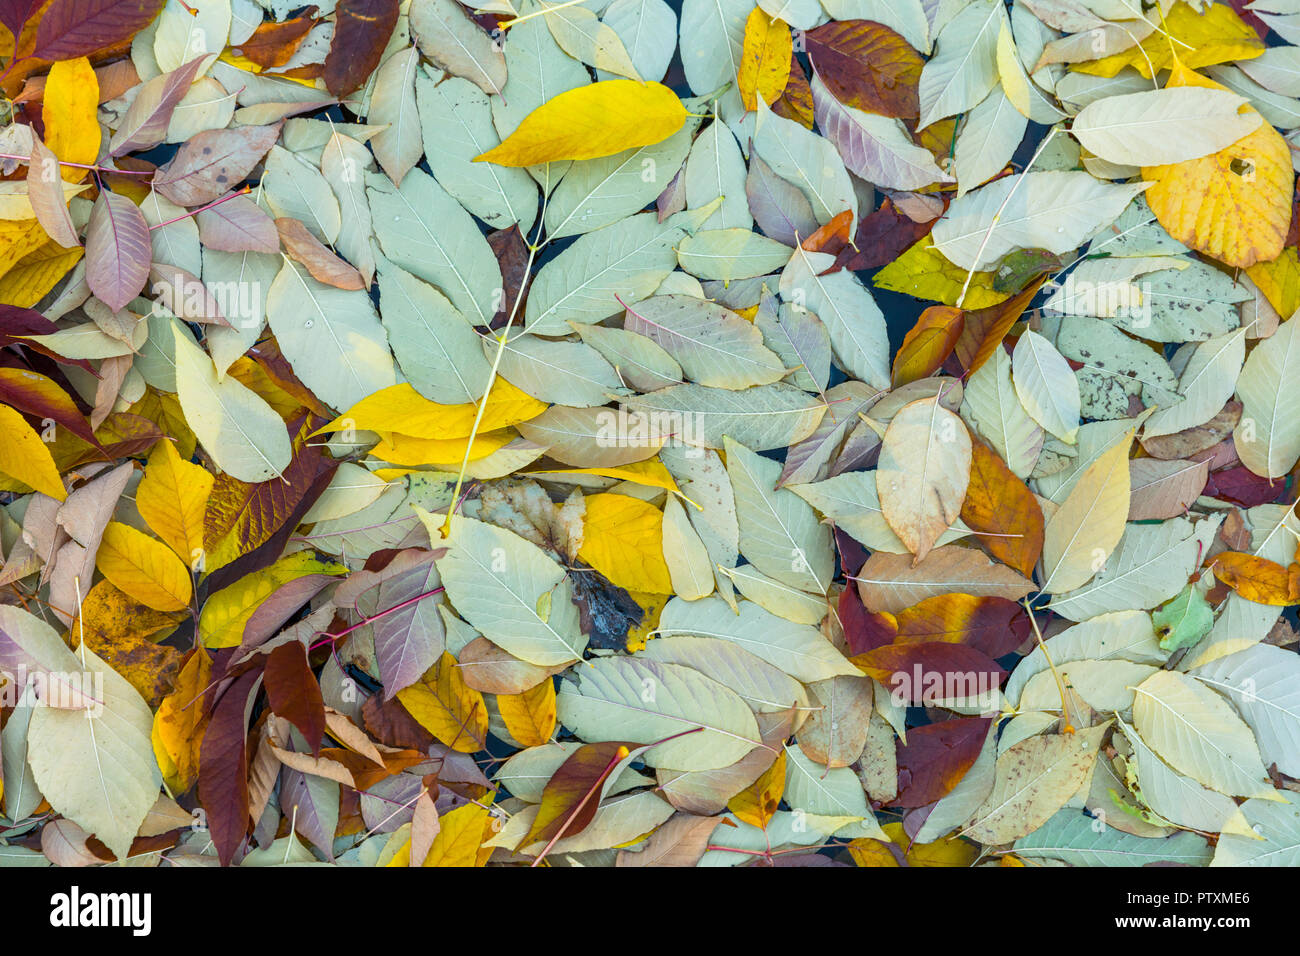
118	250
936	757
361	32
863	630
223	768
41	396
882	237
73	28
293	693
213	162
926	673
867	65
15	13
1241	486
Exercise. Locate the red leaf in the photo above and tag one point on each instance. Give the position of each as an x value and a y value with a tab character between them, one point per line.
293	693
73	28
223	768
361	32
936	757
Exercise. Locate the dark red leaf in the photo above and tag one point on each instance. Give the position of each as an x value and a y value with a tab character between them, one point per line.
936	757
223	768
293	692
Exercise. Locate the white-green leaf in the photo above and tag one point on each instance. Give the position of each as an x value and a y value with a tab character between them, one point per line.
332	337
628	698
509	589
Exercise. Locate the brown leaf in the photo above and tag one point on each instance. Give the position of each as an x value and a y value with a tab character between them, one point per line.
273	44
361	32
213	163
223	768
302	246
867	65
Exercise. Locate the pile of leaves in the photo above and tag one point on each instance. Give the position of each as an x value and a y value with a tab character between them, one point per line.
434	434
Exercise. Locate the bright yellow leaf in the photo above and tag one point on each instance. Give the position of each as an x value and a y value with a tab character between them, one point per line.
18	240
444	705
530	716
623	539
923	271
172	498
70	114
144	568
40	271
179	724
1233	205
406	450
764	60
599	119
224	614
25	457
1279	280
1196	39
459	841
401	409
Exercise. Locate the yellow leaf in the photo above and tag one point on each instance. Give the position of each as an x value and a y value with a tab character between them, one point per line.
25	457
144	568
121	631
406	450
179	724
460	838
172	498
29	280
1279	280
18	240
923	271
951	851
652	606
650	473
599	119
764	60
224	614
16	203
1233	205
164	410
401	409
623	539
447	707
70	113
1195	39
759	801
530	716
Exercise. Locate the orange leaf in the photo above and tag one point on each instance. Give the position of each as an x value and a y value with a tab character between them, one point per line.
928	343
985	328
1259	579
998	504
